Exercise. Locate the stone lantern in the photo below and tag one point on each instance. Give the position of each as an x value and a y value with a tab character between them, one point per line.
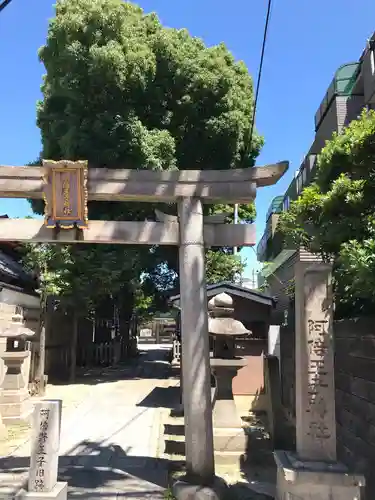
229	435
14	394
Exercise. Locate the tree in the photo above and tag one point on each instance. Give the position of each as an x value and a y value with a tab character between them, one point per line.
49	263
81	278
335	215
158	98
123	91
223	267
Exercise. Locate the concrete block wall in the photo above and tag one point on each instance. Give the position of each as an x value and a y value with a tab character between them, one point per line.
354	341
355	396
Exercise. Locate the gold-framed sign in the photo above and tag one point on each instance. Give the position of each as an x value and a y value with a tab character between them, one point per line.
65	194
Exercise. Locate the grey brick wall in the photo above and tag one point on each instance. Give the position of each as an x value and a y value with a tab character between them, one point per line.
355	396
354	341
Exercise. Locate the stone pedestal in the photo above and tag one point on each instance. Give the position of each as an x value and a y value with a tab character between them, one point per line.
183	490
314	480
58	492
229	436
313	473
14	397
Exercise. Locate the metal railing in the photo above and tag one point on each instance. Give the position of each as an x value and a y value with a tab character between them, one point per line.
342	84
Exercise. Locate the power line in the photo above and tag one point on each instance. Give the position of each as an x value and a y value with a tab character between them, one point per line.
265	34
251	130
4	4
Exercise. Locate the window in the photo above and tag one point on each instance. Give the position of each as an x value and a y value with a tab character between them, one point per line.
304	175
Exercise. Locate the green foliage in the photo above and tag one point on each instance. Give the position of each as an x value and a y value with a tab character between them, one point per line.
265	274
223	267
81	276
335	216
246	213
50	263
122	91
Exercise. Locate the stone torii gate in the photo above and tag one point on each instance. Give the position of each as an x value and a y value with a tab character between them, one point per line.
67	186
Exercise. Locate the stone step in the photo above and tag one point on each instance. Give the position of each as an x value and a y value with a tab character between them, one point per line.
228	458
174	428
174	437
14	413
174	445
177	412
14	396
176	462
225	440
175	420
11	483
222	459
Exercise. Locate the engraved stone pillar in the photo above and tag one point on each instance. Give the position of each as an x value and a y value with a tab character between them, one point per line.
43	483
315	390
194	343
313	472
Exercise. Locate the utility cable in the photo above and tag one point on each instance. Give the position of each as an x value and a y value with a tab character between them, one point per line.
4	4
265	35
252	124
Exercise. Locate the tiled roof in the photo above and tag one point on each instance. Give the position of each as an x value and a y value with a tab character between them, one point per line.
235	289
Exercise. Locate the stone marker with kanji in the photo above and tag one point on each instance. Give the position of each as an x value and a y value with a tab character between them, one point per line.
43	473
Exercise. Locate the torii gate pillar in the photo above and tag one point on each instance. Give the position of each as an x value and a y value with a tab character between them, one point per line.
195	343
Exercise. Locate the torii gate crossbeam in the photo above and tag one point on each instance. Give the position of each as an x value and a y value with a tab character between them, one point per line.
213	186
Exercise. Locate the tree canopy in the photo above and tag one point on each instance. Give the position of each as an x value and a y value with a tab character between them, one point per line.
334	216
122	91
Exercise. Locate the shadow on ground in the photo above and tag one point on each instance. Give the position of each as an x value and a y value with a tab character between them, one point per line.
106	472
258	466
98	471
102	469
161	397
150	363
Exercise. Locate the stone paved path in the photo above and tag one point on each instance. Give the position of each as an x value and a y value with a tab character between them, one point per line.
109	437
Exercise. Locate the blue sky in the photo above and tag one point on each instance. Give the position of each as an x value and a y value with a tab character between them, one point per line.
307	42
